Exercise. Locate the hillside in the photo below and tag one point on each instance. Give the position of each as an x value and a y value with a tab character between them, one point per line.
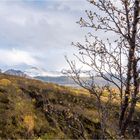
31	109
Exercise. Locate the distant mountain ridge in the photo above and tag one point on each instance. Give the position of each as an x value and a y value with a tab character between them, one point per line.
32	72
61	80
54	77
67	81
16	73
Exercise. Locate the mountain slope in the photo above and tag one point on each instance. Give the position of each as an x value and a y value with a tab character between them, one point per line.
33	109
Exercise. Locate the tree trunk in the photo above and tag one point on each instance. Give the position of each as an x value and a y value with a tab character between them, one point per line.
128	85
132	69
134	98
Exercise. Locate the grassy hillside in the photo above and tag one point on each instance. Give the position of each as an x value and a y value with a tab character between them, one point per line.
31	109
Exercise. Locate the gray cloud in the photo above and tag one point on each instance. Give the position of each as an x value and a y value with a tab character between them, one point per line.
41	31
28	28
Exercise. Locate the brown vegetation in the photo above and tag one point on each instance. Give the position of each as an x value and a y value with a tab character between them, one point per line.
33	109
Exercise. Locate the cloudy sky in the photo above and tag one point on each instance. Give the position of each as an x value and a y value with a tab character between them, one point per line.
39	32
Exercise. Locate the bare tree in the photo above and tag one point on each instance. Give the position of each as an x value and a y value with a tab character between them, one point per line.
114	60
104	95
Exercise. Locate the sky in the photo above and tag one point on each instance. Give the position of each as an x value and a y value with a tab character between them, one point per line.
38	33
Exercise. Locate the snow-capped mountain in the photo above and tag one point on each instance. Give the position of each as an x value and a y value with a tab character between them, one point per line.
16	73
34	71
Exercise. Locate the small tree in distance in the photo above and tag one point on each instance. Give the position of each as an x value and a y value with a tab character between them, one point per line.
115	61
